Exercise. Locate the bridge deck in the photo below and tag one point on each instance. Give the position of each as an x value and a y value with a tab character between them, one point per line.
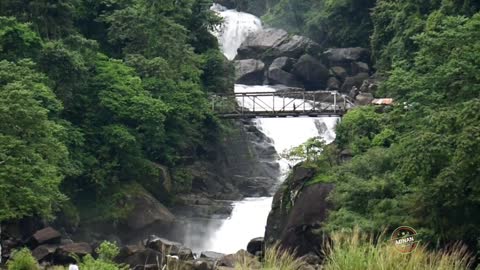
281	104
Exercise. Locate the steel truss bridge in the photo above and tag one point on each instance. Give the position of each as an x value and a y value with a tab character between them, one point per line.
281	104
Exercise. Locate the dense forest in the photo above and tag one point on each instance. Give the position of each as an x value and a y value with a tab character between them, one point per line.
418	162
97	95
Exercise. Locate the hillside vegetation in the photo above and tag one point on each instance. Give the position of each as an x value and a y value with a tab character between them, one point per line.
415	163
96	94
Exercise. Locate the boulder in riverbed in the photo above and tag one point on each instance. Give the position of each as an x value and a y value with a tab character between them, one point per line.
280	76
341	56
256	245
146	211
312	72
249	71
356	81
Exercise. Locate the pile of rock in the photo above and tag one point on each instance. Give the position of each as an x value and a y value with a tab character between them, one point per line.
272	56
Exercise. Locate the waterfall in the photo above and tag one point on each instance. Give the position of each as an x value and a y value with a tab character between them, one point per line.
249	217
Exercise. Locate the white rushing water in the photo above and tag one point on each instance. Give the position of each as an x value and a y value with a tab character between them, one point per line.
249	217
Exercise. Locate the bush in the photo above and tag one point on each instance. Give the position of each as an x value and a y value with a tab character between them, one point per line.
106	253
22	260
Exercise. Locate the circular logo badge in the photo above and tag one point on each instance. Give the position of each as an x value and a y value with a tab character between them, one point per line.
404	239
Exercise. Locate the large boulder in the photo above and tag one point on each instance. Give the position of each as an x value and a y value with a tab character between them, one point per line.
295	46
360	67
352	81
147	211
261	41
312	72
44	252
69	252
249	71
163	245
256	245
280	76
271	43
341	56
46	235
333	84
298	211
339	72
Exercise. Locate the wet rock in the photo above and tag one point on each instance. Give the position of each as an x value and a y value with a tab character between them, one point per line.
249	71
211	255
163	245
46	235
231	259
129	250
255	245
356	81
312	72
147	210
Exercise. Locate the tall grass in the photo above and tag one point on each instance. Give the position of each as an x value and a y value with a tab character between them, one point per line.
275	258
354	251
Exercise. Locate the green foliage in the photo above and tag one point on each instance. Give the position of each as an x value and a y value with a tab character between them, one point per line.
309	152
17	40
106	254
31	153
113	89
330	23
22	260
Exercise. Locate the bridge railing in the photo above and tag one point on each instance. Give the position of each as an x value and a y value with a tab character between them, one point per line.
280	104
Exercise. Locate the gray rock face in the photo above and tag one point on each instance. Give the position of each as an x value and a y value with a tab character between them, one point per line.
313	73
296	226
249	71
271	43
147	210
283	63
280	76
256	44
144	259
343	55
356	81
296	45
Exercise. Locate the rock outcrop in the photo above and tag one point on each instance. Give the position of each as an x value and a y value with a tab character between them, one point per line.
297	213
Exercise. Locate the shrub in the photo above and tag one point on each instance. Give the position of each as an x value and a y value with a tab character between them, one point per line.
106	253
22	260
276	258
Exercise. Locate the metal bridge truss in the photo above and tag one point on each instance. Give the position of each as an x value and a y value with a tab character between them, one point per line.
281	104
